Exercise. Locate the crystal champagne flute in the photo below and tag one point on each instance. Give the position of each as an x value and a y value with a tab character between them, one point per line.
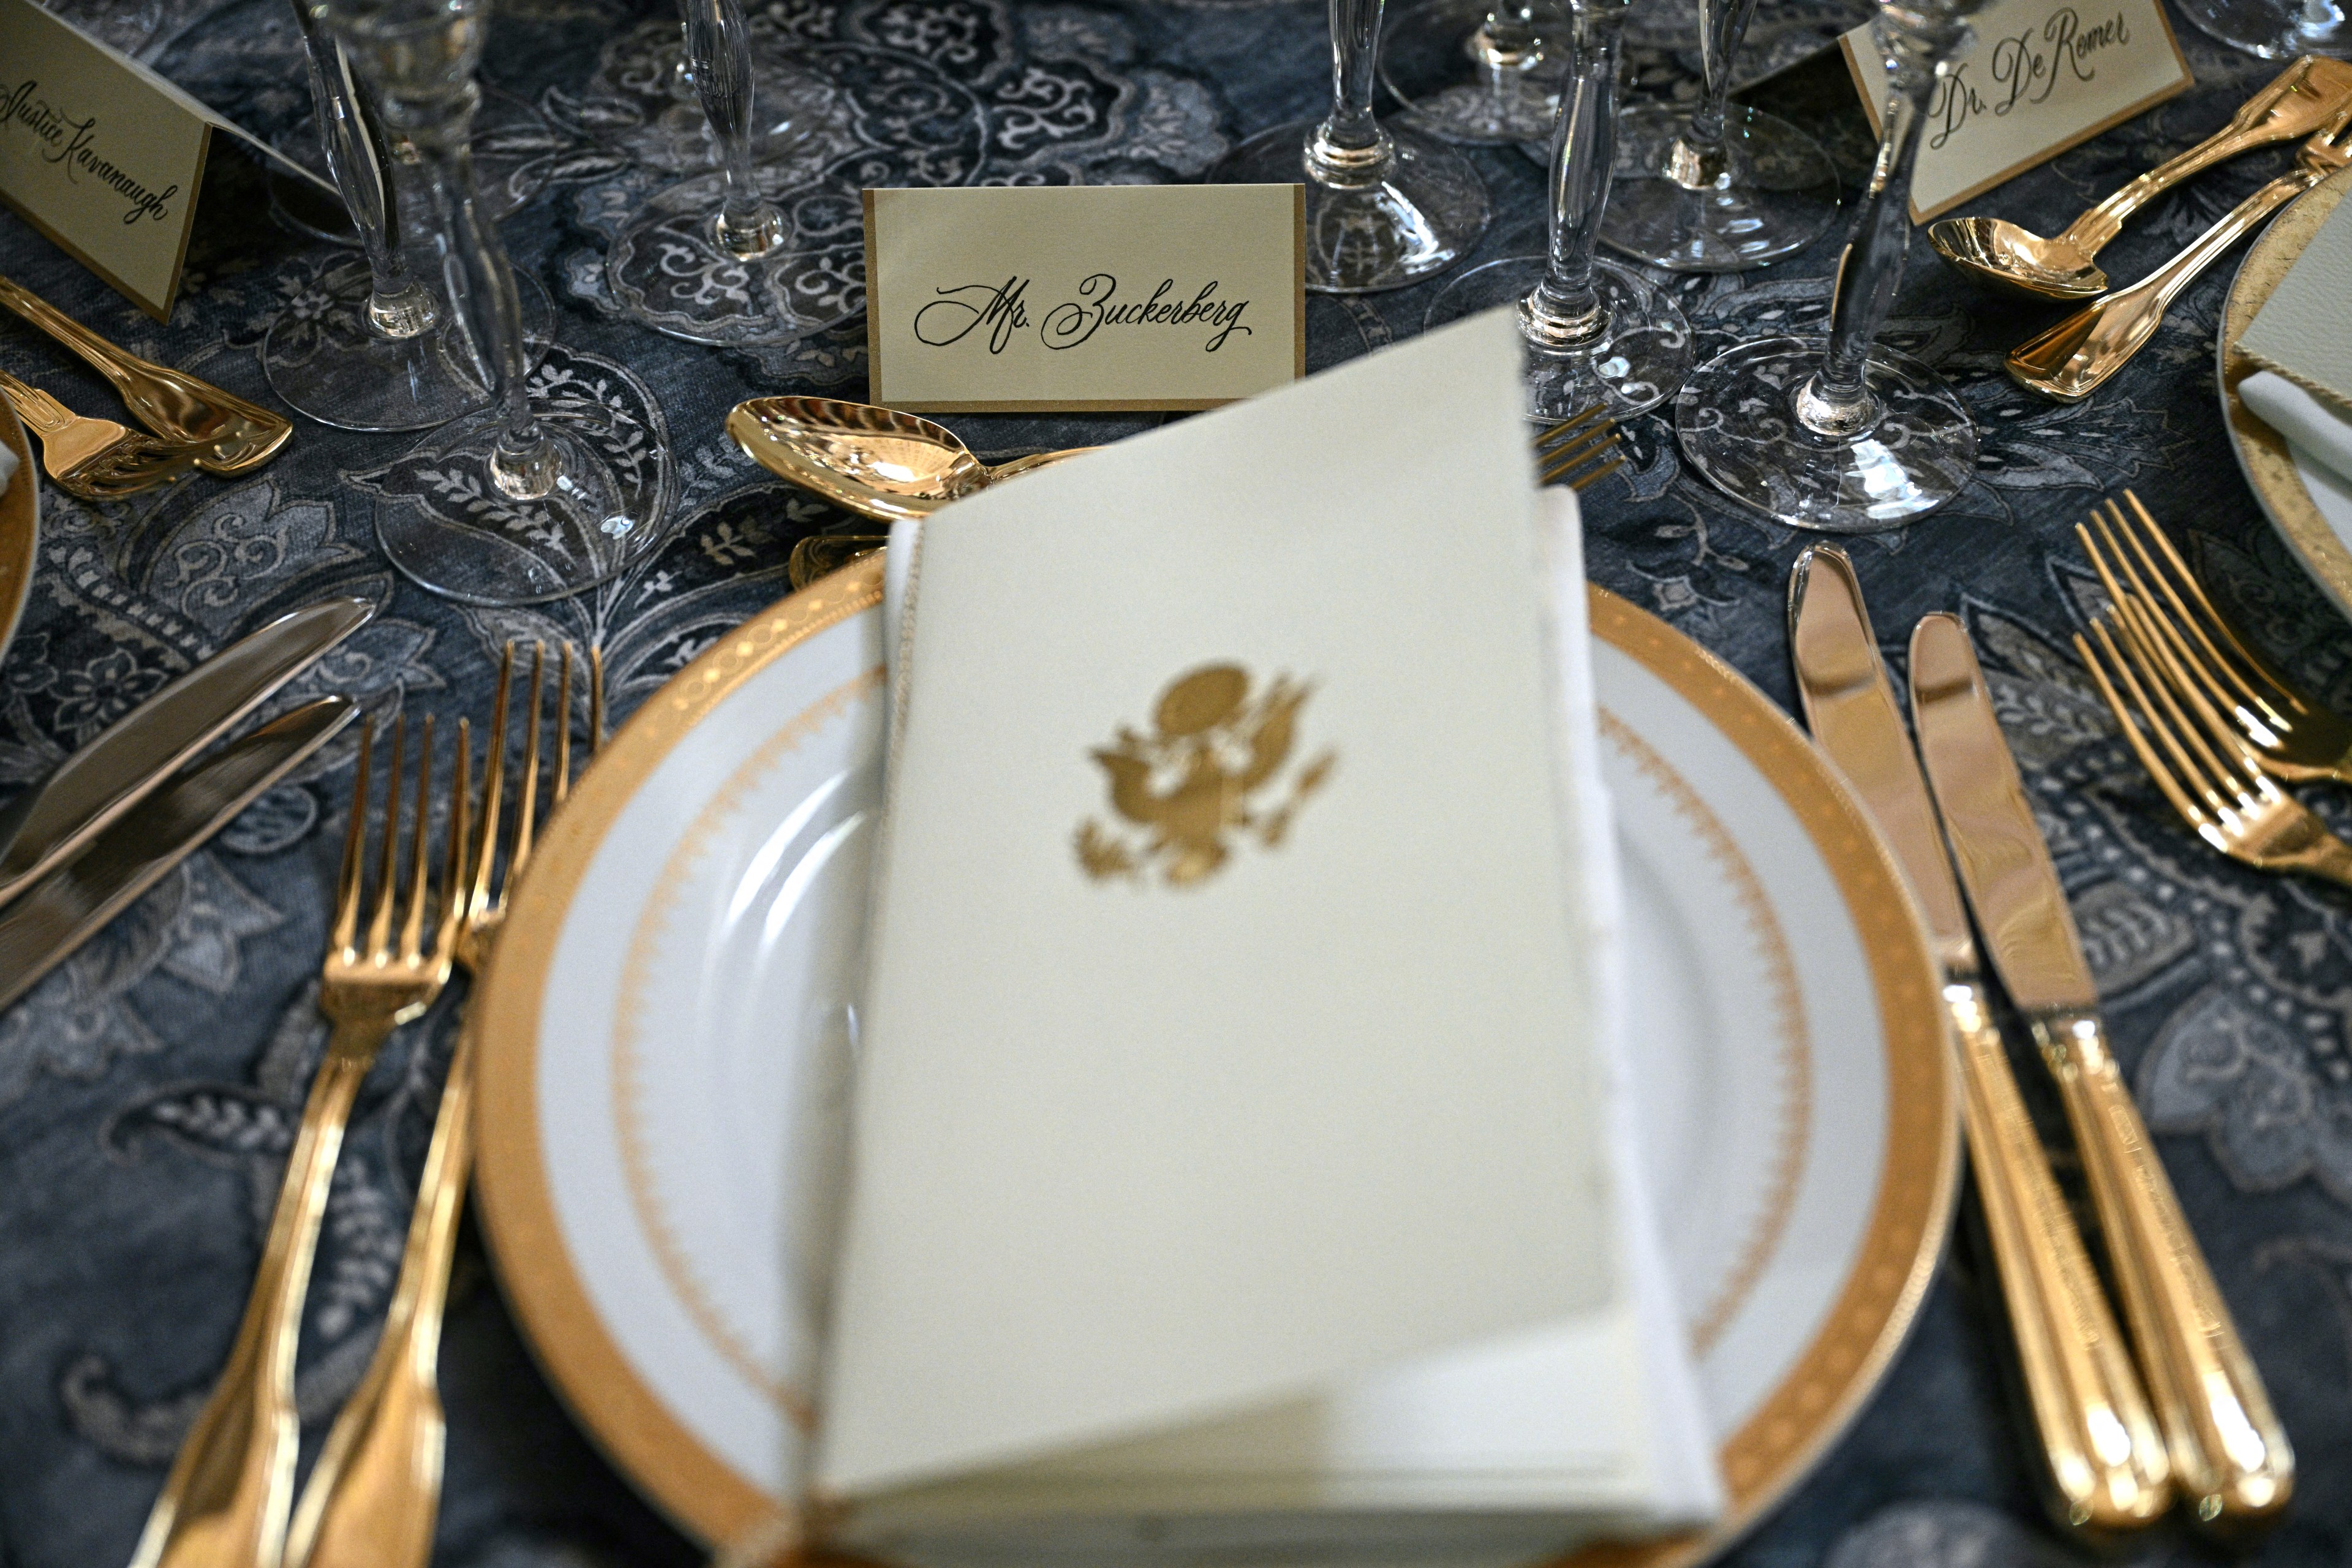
711	258
1596	333
2276	29
1845	434
1385	206
544	515
1726	188
1471	72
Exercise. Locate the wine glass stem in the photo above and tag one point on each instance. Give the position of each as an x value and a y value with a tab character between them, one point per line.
1721	25
1564	310
398	306
1349	148
1508	38
718	53
1836	401
482	289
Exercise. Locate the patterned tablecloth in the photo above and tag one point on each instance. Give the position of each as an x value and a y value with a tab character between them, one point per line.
148	1089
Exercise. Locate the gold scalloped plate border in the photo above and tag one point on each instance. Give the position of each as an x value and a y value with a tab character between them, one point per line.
20	526
2263	454
1910	1215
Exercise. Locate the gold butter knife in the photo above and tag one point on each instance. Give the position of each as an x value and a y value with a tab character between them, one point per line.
2230	1455
2107	1465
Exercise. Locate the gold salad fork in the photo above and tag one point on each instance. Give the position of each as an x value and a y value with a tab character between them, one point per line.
2200	762
224	1503
2299	739
96	459
371	1500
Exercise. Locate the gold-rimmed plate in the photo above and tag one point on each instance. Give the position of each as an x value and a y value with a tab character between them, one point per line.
20	526
2311	511
661	1013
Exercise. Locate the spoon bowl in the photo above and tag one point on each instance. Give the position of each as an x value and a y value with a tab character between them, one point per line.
877	462
2016	259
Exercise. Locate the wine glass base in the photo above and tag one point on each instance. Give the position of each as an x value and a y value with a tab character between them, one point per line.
492	549
1777	194
1635	363
2276	29
1736	422
669	267
323	361
1431	62
1423	214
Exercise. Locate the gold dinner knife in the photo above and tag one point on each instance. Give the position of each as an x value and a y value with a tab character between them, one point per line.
2230	1456
2108	1469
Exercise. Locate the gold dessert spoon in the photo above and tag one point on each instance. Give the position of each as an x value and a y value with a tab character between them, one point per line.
2072	359
1993	250
874	461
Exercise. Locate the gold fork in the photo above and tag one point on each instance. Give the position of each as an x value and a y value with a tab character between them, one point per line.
2205	768
2299	739
224	1503
96	459
371	1500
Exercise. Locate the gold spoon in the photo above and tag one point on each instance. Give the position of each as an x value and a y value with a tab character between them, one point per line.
2072	359
875	462
1993	250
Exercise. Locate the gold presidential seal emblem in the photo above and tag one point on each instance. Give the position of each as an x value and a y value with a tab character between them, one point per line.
1203	778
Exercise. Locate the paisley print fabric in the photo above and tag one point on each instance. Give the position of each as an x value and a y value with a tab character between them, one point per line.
149	1087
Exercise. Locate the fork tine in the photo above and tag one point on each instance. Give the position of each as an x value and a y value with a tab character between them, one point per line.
455	909
2214	776
1592	476
2128	716
563	727
1590	442
2222	745
411	925
527	807
2263	726
387	876
595	697
1575	421
348	881
2247	660
494	770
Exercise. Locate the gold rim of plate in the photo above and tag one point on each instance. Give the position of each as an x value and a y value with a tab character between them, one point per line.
1761	1461
20	526
2262	454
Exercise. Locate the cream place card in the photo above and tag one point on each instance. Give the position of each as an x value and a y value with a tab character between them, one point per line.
103	155
1093	296
2044	76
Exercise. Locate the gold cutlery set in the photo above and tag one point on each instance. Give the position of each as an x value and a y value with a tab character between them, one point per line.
2183	1411
399	931
2311	101
892	466
195	425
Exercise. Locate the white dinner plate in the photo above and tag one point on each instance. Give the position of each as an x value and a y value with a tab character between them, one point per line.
665	1017
2309	506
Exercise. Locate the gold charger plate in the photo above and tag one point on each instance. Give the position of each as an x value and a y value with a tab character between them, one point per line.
618	1188
20	520
2262	454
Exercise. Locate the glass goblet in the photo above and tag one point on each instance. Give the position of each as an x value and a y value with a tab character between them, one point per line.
1476	71
557	519
1845	434
711	258
1725	188
1385	206
2276	29
1597	335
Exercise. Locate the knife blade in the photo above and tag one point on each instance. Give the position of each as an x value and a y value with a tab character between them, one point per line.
143	843
58	816
2230	1456
2081	1389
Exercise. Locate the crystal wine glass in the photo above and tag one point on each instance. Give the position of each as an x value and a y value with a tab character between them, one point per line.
1385	206
1725	188
374	349
2276	29
1474	71
544	515
1847	436
711	258
1596	333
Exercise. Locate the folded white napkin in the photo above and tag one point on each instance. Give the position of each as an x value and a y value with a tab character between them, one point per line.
2314	428
2302	331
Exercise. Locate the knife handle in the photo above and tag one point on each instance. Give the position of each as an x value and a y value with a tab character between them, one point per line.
2230	1456
2106	1457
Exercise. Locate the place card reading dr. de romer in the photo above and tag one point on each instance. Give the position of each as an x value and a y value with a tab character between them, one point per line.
1095	296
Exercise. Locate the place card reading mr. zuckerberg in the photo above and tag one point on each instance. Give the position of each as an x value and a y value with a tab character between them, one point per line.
1090	296
2044	76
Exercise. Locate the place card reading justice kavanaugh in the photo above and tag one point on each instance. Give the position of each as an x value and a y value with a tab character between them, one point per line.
1091	297
2044	76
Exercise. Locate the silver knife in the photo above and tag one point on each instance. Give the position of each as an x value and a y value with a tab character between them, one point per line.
58	816
2107	1465
2230	1456
148	841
